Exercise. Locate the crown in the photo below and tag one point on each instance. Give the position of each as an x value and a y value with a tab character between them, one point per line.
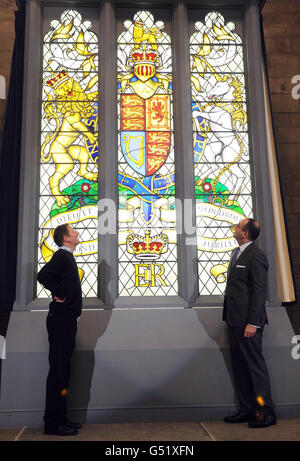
57	79
147	248
144	57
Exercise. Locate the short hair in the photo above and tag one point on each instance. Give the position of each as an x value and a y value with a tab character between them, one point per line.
59	234
253	229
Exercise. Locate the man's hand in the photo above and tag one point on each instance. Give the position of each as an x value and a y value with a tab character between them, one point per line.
59	300
249	331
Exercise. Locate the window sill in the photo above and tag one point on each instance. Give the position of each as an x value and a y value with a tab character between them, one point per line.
38	304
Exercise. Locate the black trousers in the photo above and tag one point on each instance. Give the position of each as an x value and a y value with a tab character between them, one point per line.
61	335
250	371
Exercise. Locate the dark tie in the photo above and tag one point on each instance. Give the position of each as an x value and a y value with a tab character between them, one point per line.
234	257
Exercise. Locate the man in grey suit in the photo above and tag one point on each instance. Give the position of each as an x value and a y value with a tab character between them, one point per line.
245	315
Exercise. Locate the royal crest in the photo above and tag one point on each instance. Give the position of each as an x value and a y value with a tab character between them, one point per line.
141	65
144	64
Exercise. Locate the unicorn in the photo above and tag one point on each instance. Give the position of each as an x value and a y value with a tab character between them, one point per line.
224	116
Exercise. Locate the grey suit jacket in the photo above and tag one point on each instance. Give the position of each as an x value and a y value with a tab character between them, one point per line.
246	289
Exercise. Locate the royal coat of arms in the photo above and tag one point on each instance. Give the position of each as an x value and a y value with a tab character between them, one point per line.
146	156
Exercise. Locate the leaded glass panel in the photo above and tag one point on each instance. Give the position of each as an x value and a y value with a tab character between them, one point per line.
147	215
221	144
69	142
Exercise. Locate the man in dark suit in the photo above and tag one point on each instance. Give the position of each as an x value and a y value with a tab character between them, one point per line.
245	314
60	276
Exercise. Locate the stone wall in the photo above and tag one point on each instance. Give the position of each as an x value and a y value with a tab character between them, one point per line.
282	35
281	21
7	35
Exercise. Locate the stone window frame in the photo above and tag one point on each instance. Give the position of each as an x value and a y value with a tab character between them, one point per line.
108	248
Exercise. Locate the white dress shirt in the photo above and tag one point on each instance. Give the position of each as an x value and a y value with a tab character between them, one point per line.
66	248
243	248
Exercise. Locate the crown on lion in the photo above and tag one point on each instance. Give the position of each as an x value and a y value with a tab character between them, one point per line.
57	78
147	248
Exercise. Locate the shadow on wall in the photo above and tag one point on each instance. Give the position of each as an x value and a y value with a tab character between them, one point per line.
4	320
217	331
91	326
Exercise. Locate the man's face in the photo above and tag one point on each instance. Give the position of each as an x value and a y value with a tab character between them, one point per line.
239	234
72	237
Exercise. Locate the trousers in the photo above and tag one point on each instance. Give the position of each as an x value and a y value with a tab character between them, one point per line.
250	371
61	335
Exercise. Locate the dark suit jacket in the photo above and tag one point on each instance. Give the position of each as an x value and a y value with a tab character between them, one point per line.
246	290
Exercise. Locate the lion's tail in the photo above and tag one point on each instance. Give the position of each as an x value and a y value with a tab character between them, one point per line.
48	139
46	158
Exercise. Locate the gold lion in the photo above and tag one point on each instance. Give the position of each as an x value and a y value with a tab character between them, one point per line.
75	106
141	34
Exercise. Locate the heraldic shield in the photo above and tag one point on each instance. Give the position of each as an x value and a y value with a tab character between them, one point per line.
145	132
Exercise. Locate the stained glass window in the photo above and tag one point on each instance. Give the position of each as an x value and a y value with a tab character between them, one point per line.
221	147
147	239
147	215
69	142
